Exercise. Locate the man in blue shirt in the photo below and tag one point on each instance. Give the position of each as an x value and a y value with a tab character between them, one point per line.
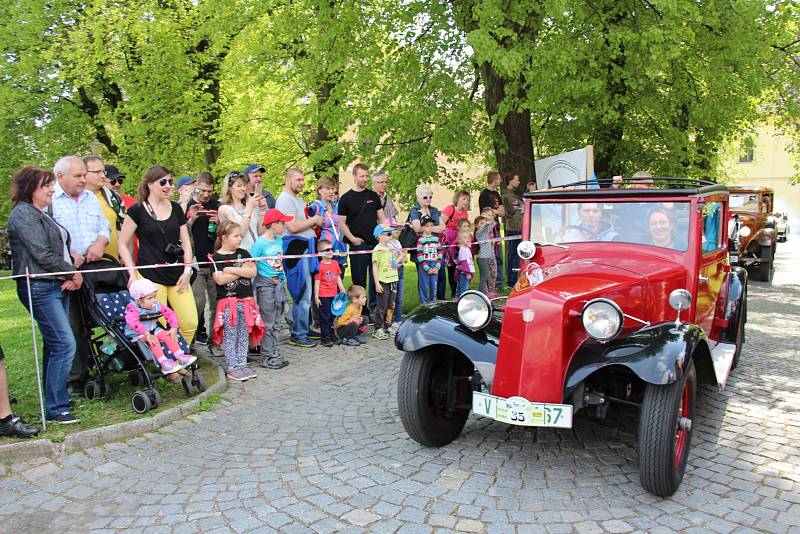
80	212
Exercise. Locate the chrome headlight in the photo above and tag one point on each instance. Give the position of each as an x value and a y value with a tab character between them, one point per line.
602	319
526	249
744	231
474	310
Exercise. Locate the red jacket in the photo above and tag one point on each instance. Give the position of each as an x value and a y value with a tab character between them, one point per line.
251	316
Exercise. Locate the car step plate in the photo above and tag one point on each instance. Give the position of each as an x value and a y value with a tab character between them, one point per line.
522	412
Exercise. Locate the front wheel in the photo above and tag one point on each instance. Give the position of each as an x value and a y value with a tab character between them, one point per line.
665	433
765	271
434	395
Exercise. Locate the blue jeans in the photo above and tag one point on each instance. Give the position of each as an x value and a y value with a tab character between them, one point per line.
398	302
426	284
463	283
499	257
302	307
512	258
51	311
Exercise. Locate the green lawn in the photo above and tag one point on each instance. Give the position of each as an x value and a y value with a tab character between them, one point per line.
15	336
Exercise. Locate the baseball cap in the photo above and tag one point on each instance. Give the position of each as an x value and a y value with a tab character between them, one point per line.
141	288
339	304
253	167
184	180
274	215
113	172
425	220
382	229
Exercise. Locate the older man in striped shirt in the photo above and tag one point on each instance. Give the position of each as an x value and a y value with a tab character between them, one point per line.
80	212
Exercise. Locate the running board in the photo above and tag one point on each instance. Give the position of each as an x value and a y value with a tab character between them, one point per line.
722	358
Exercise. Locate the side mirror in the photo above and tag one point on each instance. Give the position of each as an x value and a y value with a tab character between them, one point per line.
680	299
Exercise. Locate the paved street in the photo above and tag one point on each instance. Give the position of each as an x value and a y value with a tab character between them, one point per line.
318	447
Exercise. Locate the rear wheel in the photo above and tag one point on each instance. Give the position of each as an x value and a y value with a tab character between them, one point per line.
141	403
765	271
434	395
92	390
665	433
188	387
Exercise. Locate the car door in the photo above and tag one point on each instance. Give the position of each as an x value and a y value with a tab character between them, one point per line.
713	267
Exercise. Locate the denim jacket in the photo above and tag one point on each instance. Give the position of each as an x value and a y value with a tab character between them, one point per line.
35	241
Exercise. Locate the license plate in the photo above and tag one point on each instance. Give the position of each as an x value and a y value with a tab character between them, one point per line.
522	412
734	258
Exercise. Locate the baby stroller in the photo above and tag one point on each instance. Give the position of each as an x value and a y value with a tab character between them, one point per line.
104	296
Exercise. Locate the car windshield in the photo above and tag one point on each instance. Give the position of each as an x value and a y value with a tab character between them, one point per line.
659	224
744	201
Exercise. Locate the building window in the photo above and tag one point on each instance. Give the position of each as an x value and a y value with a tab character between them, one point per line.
747	155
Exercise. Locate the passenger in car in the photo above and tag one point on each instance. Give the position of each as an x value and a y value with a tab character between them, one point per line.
592	227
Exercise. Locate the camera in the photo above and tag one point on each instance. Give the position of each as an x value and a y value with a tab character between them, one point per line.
174	252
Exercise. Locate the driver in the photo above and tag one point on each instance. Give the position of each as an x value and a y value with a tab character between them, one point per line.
661	228
592	227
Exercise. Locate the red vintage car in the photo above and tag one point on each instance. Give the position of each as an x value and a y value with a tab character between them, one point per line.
625	296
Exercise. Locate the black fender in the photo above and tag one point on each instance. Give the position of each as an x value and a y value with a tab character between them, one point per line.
436	324
736	306
656	354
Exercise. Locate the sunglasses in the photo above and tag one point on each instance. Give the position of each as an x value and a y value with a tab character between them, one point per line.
427	197
117	180
323	250
164	181
235	175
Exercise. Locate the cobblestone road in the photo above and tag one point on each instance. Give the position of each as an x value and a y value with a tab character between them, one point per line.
318	447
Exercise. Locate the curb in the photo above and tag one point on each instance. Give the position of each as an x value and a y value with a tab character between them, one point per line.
44	448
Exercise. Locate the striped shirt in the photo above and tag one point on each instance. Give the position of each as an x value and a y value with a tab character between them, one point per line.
82	217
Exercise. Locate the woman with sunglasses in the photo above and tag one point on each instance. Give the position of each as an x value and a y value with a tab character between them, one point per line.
239	207
163	236
421	209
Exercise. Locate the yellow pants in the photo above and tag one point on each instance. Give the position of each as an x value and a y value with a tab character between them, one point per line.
183	305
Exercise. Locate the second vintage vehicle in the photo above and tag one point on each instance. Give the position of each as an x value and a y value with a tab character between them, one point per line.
753	234
625	296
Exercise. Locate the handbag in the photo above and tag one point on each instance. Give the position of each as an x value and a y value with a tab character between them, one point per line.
408	238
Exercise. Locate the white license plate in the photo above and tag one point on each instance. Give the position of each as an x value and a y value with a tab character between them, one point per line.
734	258
522	412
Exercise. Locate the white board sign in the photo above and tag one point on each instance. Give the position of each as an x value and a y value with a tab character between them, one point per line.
565	168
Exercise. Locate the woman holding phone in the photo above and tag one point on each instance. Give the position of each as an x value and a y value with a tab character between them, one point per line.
240	208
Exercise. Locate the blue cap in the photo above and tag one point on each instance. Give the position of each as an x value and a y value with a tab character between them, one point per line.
383	229
253	167
185	180
339	304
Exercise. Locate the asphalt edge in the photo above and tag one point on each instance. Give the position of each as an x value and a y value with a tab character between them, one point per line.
44	448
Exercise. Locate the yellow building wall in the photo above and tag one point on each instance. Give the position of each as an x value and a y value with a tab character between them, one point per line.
773	166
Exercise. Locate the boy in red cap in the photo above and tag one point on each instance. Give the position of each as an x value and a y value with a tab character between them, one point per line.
270	289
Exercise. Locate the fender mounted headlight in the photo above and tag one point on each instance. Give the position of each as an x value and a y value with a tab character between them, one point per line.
474	310
602	319
745	231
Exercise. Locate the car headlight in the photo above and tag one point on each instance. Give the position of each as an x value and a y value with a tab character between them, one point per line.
744	231
602	319
474	310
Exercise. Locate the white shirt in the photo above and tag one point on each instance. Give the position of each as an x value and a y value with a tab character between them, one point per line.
82	217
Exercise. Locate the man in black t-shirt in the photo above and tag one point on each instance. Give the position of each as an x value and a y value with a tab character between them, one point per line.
489	197
360	212
201	214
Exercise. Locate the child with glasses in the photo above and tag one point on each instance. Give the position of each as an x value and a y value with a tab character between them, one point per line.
327	283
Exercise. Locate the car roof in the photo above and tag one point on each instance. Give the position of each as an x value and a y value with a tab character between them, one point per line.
664	187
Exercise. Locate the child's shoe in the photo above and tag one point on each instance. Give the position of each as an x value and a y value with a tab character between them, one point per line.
274	361
184	359
350	342
380	333
168	366
327	342
393	329
359	340
249	373
239	375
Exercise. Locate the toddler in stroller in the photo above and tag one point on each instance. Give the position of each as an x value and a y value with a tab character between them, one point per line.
141	323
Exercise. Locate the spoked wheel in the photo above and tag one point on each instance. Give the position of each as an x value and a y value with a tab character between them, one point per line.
434	396
665	433
141	403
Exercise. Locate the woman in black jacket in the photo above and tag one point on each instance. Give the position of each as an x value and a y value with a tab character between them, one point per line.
39	245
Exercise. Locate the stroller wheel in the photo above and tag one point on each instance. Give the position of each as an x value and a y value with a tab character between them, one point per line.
92	389
136	378
188	388
105	390
155	397
141	402
198	382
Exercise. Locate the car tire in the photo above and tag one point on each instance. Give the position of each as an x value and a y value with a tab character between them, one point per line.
663	445
765	271
422	396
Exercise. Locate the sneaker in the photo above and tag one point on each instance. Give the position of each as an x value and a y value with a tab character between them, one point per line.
239	375
64	418
327	342
359	340
302	342
380	333
169	366
351	342
215	350
16	427
314	334
393	329
249	373
274	362
201	338
186	359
